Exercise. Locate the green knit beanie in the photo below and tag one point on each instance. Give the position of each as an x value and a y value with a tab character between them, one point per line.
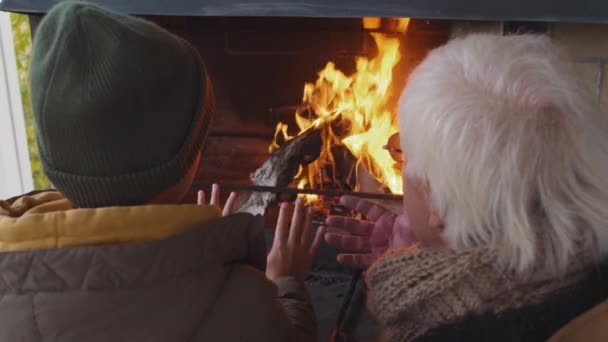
122	107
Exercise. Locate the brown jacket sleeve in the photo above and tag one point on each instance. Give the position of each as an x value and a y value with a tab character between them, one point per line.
251	308
297	305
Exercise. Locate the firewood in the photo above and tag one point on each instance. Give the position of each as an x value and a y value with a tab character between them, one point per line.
280	169
283	164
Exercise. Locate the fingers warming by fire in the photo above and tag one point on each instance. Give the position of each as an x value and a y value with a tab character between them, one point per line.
228	207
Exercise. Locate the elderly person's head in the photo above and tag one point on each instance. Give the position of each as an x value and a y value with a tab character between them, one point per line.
506	147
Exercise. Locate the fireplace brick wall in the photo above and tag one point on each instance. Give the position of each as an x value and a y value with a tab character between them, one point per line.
588	44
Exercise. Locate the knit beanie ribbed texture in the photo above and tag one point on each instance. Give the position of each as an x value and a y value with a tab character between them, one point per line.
122	106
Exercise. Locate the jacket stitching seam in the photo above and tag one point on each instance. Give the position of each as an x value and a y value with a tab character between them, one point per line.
35	319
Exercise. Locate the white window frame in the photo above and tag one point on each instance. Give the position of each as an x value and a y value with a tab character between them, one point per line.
15	167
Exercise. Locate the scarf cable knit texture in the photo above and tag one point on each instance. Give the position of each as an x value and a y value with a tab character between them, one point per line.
411	292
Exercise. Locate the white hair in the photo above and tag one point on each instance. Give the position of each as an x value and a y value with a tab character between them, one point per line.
514	147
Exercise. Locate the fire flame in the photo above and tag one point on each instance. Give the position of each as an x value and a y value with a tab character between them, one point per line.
352	111
395	24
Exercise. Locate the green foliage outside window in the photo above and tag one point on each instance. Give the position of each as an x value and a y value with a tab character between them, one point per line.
23	50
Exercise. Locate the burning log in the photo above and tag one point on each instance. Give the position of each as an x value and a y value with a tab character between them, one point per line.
343	174
280	169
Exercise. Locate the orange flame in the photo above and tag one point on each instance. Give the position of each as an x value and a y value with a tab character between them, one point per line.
402	24
394	24
360	100
372	23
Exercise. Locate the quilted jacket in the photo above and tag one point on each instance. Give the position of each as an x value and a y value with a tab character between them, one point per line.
149	273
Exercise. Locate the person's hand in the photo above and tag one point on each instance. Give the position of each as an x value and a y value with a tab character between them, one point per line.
366	240
293	248
215	200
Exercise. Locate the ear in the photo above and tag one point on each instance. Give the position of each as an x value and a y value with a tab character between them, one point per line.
436	227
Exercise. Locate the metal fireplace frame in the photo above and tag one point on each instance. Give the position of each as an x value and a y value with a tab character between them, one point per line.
582	11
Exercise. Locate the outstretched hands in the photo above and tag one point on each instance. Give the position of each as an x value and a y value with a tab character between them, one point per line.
293	248
215	200
365	240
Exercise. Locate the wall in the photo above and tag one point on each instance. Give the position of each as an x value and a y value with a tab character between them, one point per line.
588	44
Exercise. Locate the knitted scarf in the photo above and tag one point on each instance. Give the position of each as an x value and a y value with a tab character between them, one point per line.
411	292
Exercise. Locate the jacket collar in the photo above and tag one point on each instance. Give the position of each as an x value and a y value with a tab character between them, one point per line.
48	220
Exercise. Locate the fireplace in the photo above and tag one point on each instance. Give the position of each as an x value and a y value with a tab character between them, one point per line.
259	67
260	55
